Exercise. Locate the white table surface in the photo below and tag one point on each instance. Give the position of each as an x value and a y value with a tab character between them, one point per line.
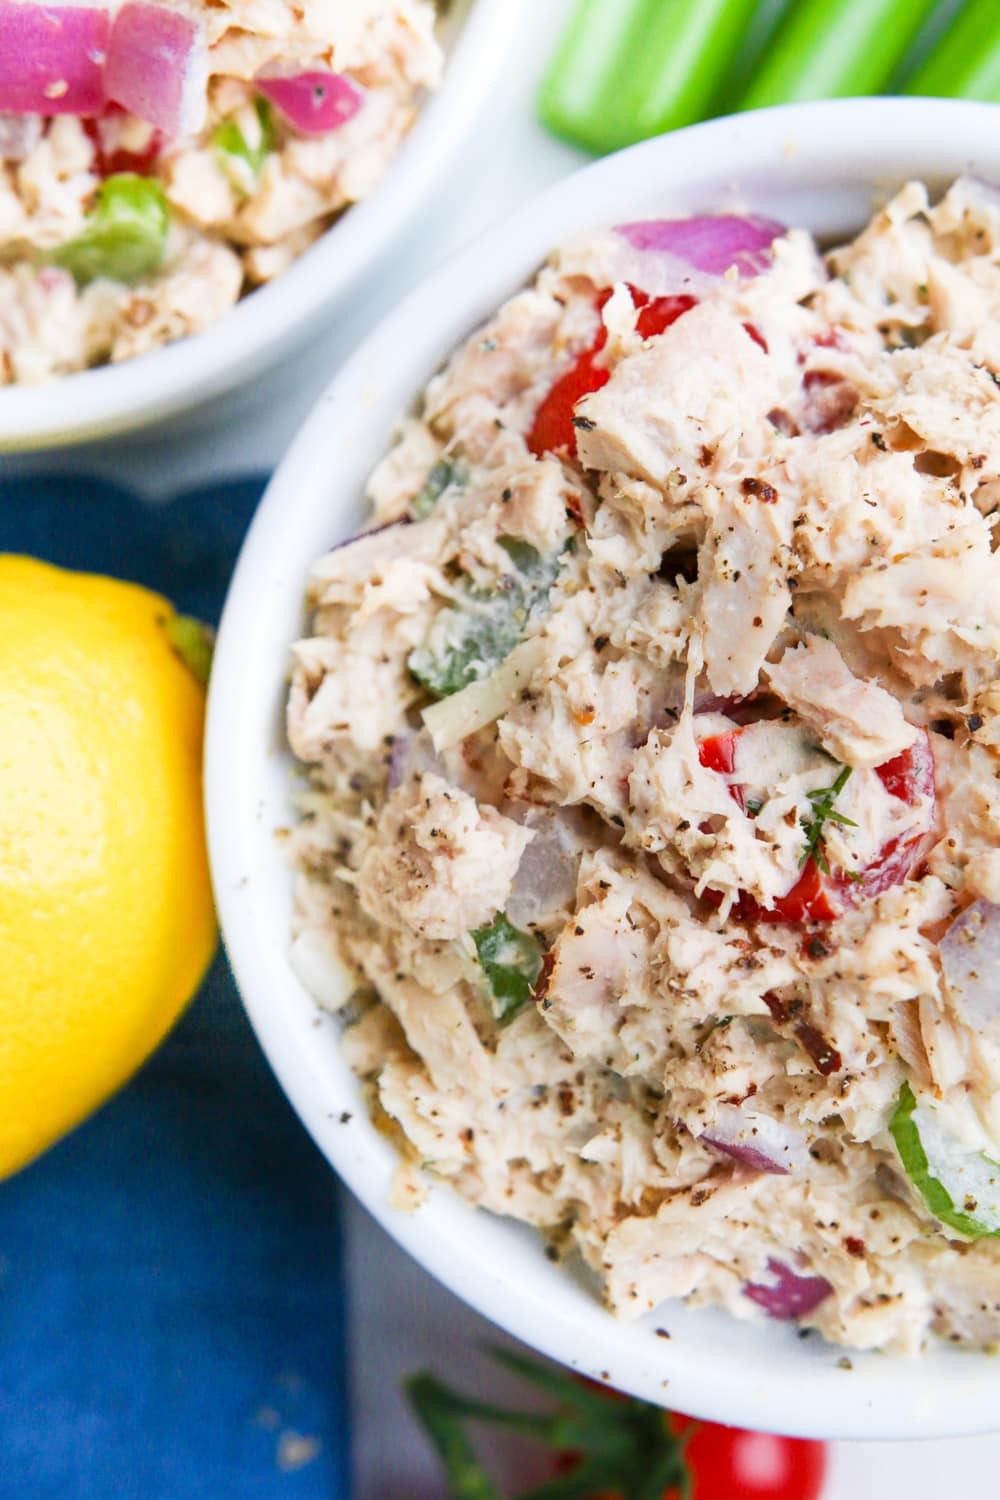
401	1319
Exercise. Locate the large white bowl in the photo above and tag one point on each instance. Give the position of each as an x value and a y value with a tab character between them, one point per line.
479	37
821	165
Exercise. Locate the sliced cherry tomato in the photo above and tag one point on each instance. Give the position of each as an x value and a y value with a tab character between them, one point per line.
809	900
657	313
718	751
817	897
106	133
552	429
910	776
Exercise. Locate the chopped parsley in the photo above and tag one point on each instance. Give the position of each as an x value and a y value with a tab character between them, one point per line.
234	148
471	638
511	960
444	474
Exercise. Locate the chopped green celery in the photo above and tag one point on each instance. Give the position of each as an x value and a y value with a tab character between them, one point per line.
125	237
829	49
511	961
960	1187
446	473
471	639
234	148
965	63
628	69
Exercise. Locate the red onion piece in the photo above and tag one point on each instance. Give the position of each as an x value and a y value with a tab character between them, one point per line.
157	67
52	58
710	243
360	537
757	1141
19	135
545	882
313	103
790	1296
413	755
970	956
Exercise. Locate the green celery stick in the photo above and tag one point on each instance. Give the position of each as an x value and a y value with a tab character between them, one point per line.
662	67
965	64
680	59
592	44
829	49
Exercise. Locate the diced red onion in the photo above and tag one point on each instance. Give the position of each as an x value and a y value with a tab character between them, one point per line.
756	1140
790	1296
710	243
157	67
970	956
313	103
360	537
413	755
19	135
545	882
52	58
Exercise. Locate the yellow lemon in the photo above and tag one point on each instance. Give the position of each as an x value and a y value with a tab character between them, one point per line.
106	918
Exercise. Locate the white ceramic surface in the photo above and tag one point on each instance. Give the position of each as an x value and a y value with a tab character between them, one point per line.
824	166
274	319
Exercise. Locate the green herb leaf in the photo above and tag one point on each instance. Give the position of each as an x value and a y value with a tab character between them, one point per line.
125	237
511	961
435	1408
446	473
824	812
234	148
624	1446
469	640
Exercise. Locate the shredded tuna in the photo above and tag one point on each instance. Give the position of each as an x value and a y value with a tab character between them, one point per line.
723	659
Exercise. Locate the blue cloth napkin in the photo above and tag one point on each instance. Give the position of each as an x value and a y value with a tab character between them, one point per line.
171	1303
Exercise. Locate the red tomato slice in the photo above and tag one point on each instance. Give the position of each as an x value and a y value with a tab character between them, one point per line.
105	132
817	897
552	429
718	751
809	900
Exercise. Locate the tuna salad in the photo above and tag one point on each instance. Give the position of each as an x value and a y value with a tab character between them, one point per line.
653	749
161	158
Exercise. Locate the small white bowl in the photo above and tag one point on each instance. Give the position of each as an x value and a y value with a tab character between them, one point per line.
823	166
266	325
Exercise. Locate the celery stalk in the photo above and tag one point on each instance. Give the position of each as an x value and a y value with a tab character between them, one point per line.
682	57
593	42
125	235
965	64
627	71
830	49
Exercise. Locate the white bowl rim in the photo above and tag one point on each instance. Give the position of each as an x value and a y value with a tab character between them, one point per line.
264	326
754	1376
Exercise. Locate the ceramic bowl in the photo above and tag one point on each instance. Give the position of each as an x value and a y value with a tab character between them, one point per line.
825	166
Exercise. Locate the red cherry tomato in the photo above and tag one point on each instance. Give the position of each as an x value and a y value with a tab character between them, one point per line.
816	897
106	133
718	751
727	1462
809	900
552	429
